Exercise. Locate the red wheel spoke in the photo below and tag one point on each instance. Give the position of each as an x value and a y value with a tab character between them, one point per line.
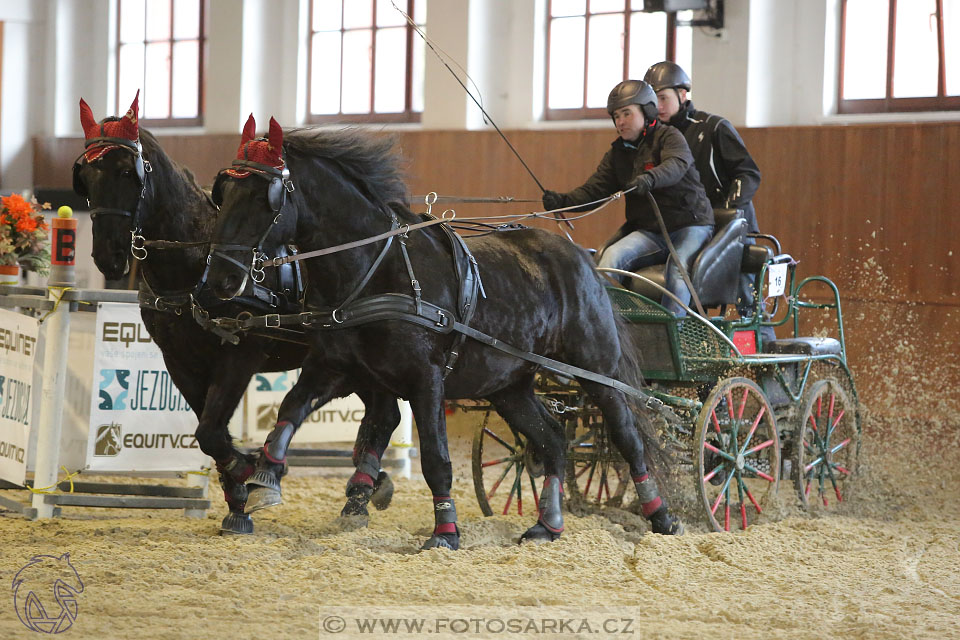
813	424
762	445
499	439
716	422
515	487
834	424
841	469
723	492
743	403
730	403
833	399
760	474
723	454
753	428
593	468
707	477
484	465
806	492
840	446
743	516
750	495
726	516
585	469
603	481
496	484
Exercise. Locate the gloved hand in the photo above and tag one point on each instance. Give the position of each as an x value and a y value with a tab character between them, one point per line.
643	183
552	200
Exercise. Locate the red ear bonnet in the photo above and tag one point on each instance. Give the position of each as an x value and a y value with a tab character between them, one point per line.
126	127
268	151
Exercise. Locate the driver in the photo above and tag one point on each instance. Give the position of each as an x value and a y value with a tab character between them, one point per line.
655	159
729	174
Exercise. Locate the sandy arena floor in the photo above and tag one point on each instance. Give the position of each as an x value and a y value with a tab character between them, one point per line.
884	567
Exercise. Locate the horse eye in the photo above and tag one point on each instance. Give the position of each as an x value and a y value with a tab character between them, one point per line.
126	173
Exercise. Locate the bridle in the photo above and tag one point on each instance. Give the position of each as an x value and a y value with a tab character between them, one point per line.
141	168
278	186
276	198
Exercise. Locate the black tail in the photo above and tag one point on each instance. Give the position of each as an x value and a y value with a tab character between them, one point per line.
660	455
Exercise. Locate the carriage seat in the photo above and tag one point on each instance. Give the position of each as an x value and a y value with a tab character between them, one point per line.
716	270
803	346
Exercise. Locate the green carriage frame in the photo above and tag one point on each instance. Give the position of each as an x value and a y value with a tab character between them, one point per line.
801	399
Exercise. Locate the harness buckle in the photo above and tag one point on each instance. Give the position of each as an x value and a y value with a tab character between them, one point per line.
137	242
333	315
443	319
416	286
270	319
653	403
306	318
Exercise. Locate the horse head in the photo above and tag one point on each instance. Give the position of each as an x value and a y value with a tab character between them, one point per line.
111	175
252	196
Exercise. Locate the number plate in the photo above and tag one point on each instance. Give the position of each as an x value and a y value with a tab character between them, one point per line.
776	280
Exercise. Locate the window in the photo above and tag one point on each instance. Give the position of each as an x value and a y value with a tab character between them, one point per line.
366	61
160	51
899	55
594	44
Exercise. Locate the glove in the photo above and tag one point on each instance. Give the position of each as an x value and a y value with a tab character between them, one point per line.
552	200
643	183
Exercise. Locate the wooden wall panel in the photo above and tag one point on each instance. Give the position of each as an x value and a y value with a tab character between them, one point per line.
884	195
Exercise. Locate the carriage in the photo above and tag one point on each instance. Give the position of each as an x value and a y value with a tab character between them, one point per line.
750	408
733	406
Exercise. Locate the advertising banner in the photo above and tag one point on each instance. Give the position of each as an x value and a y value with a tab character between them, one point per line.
336	421
18	344
139	421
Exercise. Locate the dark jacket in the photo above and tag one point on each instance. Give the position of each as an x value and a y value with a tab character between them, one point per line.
721	158
663	153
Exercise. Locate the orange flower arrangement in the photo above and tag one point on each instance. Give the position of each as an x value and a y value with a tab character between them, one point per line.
24	237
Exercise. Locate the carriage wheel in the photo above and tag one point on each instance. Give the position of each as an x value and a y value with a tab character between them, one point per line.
738	454
596	473
501	466
828	440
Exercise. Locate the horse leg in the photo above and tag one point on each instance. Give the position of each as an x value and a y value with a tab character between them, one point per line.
524	413
435	464
214	440
370	483
620	424
315	387
223	395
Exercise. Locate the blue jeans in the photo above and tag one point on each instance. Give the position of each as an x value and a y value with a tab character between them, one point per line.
640	249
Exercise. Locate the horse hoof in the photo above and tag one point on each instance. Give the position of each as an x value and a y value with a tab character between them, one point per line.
665	523
442	541
264	478
354	507
382	491
236	524
262	498
539	533
351	523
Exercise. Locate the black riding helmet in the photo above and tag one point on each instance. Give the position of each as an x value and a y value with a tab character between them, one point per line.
667	75
633	92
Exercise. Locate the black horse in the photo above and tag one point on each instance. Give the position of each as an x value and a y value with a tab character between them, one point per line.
385	311
140	197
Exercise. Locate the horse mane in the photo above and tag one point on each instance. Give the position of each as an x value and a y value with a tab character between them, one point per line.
373	163
155	154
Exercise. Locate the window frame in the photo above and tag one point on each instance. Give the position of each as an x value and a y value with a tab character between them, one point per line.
196	121
408	115
584	113
890	104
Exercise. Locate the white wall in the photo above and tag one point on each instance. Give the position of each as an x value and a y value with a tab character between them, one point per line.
774	64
